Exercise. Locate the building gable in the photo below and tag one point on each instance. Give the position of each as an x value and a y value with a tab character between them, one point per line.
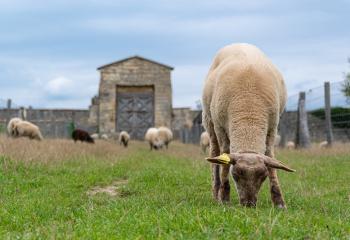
135	58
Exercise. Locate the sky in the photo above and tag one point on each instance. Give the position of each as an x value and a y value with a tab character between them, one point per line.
50	50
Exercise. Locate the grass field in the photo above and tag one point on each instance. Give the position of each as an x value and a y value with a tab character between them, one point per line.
54	190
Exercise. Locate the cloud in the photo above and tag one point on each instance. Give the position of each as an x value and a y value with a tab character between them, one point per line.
47	82
59	86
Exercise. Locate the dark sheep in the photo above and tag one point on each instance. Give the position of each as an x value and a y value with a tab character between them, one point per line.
82	135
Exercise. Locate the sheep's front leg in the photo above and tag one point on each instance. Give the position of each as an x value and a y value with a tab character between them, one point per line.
275	190
224	192
276	193
215	177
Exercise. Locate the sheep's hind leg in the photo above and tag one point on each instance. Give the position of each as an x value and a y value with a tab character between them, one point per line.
275	190
215	168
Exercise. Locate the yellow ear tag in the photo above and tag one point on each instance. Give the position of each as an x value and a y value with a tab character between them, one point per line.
224	158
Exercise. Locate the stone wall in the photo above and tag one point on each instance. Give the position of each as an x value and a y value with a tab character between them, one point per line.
53	123
182	119
317	128
134	72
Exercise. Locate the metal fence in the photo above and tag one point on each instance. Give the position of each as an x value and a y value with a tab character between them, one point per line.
318	125
327	114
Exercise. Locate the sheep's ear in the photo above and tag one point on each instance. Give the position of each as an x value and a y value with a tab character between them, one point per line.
273	163
223	159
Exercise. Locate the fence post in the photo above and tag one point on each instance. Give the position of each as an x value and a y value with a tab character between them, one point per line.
327	110
9	102
283	130
8	117
23	113
302	139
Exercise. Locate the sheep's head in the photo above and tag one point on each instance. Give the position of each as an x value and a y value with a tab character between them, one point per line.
249	171
158	144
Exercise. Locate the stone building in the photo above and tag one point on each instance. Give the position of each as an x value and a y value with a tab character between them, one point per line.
134	94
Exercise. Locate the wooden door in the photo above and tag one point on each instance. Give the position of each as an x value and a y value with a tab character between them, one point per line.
135	110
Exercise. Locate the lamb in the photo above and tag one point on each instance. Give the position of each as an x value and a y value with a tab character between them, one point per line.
204	141
82	136
290	145
152	138
243	98
124	138
165	135
11	126
27	129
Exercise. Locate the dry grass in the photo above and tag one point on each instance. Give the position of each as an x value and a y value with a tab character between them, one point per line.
56	150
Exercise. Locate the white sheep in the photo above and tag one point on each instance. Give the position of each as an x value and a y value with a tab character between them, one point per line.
290	145
124	138
277	140
11	126
243	98
94	136
204	141
165	135
152	138
104	136
323	144
27	129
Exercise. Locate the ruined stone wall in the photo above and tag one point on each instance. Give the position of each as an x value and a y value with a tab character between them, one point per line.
182	118
53	123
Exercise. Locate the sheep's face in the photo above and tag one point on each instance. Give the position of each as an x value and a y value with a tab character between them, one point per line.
249	171
158	144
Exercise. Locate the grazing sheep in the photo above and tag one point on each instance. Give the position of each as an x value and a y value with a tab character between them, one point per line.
290	145
165	135
204	141
124	138
152	138
27	129
82	136
277	140
323	144
104	137
94	136
243	98
11	126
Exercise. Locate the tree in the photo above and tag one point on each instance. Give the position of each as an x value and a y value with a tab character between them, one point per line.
346	85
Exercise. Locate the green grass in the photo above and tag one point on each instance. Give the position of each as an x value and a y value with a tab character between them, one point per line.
168	197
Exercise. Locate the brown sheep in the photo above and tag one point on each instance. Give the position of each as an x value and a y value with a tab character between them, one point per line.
243	98
82	136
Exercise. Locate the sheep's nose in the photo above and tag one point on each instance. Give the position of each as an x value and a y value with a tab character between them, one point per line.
248	203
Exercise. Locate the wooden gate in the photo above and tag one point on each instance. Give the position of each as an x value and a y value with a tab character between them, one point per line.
135	110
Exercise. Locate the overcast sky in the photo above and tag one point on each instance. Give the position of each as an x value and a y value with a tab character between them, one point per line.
49	50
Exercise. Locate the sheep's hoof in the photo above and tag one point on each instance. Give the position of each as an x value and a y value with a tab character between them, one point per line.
281	206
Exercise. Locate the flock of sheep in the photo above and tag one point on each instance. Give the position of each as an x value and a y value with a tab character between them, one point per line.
156	137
